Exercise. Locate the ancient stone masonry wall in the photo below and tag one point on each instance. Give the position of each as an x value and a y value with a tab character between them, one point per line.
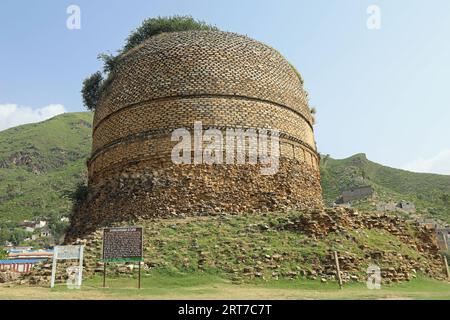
157	189
197	63
222	80
176	113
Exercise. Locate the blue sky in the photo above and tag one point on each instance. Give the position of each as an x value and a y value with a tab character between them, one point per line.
382	92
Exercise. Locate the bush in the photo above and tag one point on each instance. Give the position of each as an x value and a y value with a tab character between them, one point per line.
109	61
92	87
3	254
80	193
154	26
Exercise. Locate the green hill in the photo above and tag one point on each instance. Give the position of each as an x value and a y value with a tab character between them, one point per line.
429	192
40	163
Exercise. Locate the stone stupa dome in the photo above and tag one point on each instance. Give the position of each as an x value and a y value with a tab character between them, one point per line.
224	80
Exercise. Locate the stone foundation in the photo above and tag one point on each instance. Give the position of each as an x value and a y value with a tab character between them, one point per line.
148	189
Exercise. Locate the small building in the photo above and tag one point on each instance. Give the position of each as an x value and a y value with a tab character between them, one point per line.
40	224
400	206
391	206
406	206
443	238
29	229
32	238
21	266
357	193
18	248
31	226
17	254
45	232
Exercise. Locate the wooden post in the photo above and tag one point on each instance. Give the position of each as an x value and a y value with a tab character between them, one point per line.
446	267
338	271
104	274
139	276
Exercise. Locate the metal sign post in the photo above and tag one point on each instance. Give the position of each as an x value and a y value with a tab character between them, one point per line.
104	274
68	253
139	277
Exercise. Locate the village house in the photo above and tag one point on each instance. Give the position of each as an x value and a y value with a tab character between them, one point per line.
406	206
45	232
356	193
31	226
400	206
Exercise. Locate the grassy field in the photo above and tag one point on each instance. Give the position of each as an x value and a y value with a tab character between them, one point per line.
161	286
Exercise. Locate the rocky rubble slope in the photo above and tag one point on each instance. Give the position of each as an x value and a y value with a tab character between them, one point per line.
277	245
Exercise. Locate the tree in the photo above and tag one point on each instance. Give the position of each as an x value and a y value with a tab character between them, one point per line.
92	87
4	235
17	236
446	198
79	195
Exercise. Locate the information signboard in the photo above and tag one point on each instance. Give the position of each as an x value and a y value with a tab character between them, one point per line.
68	253
122	244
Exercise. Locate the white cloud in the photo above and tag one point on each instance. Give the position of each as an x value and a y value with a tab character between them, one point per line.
12	115
439	163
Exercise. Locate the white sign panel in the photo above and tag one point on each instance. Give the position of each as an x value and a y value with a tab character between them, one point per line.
67	252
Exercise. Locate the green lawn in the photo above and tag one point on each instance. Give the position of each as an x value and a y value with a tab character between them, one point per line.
205	286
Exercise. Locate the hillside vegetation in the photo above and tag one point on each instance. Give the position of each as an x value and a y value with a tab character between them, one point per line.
429	192
41	163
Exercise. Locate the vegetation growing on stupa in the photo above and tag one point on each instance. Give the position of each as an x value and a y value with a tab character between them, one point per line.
97	82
